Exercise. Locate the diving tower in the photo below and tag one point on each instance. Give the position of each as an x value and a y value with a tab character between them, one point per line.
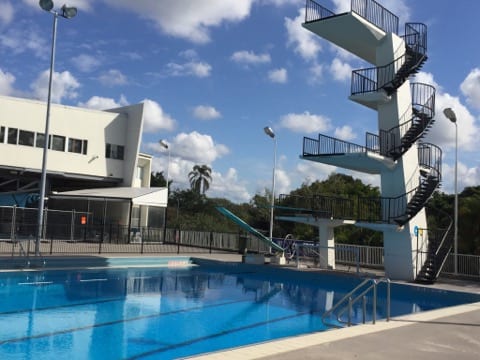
409	169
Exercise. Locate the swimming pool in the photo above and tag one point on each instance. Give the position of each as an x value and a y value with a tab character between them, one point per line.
166	313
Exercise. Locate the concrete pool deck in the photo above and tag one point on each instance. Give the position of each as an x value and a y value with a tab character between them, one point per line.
448	333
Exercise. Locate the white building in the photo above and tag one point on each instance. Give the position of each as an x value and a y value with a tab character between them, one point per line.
89	150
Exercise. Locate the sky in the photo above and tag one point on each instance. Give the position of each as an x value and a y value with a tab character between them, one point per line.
213	73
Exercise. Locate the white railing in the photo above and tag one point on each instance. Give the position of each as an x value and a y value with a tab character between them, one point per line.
372	256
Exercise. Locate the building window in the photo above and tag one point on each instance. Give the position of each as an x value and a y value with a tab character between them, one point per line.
26	138
75	145
114	151
12	136
40	140
139	172
2	134
84	147
57	143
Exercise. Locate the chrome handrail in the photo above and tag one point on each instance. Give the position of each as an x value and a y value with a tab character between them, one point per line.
361	296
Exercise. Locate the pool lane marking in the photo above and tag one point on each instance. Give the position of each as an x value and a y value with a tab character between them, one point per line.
215	335
93	280
113	322
36	283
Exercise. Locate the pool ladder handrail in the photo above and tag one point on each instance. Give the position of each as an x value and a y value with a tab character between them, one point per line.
348	301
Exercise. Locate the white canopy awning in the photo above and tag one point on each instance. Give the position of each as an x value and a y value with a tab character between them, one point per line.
153	196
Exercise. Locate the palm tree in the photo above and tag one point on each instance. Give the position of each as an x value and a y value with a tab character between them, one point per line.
200	178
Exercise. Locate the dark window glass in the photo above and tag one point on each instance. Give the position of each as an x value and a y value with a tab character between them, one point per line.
40	141
12	136
58	143
2	134
119	152
75	146
26	138
85	146
114	151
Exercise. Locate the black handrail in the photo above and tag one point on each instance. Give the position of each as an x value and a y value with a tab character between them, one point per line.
375	13
370	10
385	77
437	252
319	206
327	145
315	12
397	140
376	209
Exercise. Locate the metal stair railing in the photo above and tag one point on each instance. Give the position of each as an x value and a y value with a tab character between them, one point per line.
346	303
391	76
370	10
397	140
437	257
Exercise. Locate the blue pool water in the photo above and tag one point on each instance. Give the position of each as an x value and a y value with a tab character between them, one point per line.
166	313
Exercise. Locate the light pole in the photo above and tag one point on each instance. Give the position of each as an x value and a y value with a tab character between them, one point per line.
164	144
450	114
66	12
268	130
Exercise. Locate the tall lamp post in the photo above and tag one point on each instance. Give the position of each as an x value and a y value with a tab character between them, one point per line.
164	144
268	130
450	114
66	12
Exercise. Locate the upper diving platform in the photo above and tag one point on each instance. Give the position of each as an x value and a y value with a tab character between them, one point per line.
368	20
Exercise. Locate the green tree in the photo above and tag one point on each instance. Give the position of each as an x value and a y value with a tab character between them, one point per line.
157	179
200	178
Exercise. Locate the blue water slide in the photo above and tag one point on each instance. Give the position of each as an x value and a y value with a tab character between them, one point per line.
248	228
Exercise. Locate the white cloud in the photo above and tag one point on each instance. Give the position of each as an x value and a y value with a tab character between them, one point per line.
443	132
250	58
206	112
86	63
230	184
199	148
154	118
6	13
113	77
188	19
312	171
101	103
341	6
316	73
197	69
6	83
19	40
304	42
305	123
345	133
64	85
340	71
278	76
470	88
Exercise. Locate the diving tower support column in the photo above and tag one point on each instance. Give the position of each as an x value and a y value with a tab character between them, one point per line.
326	246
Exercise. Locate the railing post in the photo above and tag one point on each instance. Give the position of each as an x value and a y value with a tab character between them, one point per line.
374	312
349	323
179	236
364	307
